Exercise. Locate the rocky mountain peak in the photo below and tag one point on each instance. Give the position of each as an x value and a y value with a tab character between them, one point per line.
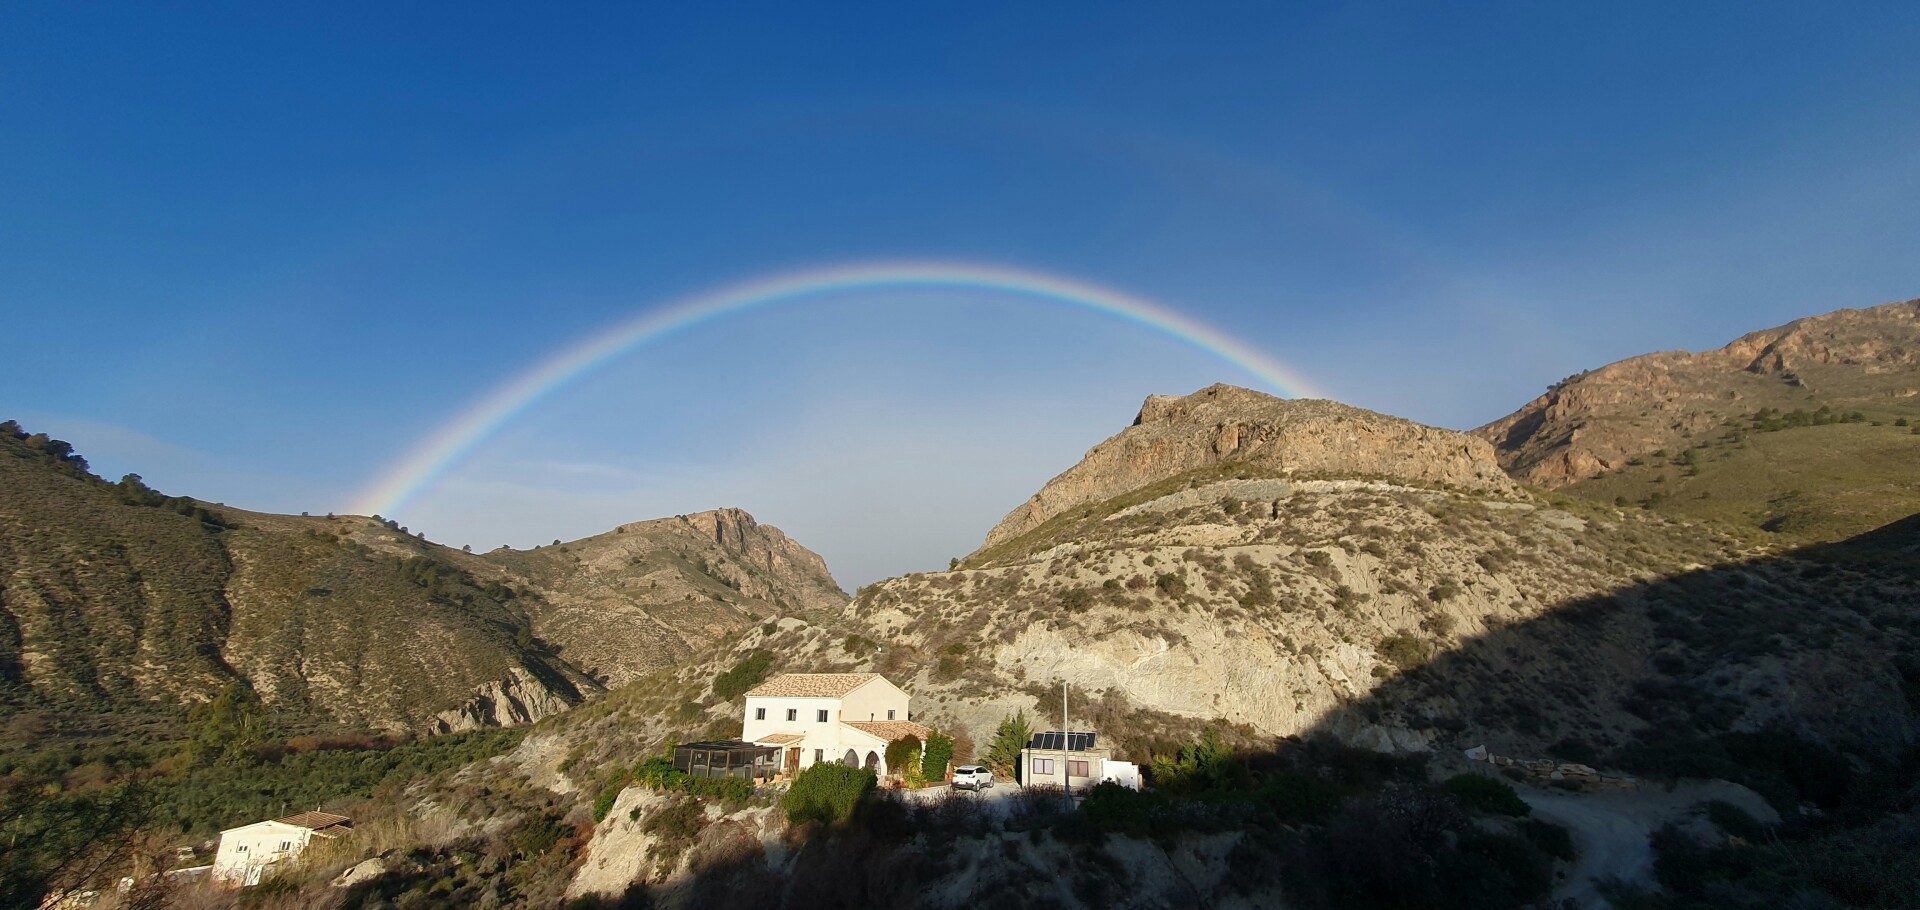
1222	423
1600	420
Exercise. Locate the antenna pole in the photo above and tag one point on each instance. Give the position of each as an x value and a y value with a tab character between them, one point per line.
1066	744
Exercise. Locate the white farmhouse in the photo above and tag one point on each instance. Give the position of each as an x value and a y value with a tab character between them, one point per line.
822	717
247	852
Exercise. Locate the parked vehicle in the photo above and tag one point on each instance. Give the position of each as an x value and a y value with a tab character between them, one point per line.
972	777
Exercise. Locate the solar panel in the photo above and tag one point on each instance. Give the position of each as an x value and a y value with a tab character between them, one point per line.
1052	739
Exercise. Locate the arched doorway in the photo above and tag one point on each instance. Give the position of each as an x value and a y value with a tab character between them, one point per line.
873	762
851	759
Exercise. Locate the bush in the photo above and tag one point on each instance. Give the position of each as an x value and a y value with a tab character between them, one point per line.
1113	808
1735	820
936	756
901	752
749	672
1486	794
1404	651
827	793
1549	838
660	774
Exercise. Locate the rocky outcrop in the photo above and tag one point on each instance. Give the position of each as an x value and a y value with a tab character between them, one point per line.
1597	421
521	698
1221	423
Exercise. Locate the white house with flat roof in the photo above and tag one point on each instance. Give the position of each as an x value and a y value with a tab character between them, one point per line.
819	717
246	853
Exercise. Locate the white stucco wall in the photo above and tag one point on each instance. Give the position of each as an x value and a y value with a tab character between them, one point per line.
871	701
246	851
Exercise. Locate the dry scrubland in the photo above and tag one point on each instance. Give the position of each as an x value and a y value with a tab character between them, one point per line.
1297	611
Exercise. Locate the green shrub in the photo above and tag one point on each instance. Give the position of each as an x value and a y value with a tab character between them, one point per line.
1486	794
603	803
827	793
749	672
902	751
1119	810
660	774
1403	651
936	756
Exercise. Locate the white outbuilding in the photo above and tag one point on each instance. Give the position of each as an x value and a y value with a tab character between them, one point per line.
247	852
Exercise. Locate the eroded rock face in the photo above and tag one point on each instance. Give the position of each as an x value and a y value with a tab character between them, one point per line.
521	698
1594	422
1222	423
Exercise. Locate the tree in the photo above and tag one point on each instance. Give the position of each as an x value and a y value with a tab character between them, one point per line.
228	729
59	844
936	756
902	752
466	548
1009	739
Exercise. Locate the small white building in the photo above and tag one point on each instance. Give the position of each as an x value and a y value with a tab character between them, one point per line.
1075	760
820	717
247	852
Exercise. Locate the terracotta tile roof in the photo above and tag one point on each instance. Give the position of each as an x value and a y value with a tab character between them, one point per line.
315	820
811	685
890	730
781	739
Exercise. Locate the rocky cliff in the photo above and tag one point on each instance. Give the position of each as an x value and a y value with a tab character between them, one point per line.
1222	424
1599	421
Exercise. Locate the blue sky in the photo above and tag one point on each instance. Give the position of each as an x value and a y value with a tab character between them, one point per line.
257	253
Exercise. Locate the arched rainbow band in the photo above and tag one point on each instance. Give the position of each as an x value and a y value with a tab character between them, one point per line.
452	442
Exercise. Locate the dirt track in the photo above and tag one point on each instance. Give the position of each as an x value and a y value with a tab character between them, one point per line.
1610	829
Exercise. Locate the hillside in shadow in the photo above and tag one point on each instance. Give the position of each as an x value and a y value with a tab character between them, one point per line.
1820	643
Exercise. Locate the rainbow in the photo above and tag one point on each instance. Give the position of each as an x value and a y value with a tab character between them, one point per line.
452	442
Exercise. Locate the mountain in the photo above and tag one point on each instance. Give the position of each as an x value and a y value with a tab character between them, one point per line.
1209	584
1406	607
114	596
645	595
1804	428
1222	424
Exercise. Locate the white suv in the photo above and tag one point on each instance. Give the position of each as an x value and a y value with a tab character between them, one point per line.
972	777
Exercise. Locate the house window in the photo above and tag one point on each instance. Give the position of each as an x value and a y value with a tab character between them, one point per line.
286	845
793	713
759	714
1076	769
889	713
1043	766
819	755
822	715
240	849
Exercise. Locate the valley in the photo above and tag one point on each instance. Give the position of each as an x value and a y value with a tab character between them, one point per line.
1296	615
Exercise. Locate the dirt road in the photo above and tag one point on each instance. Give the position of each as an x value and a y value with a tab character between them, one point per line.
1610	829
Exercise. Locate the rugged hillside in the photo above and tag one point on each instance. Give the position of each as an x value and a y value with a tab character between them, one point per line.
1275	602
1279	603
644	595
113	595
1799	426
1222	424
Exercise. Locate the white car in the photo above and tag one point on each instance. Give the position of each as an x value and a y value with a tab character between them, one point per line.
972	777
